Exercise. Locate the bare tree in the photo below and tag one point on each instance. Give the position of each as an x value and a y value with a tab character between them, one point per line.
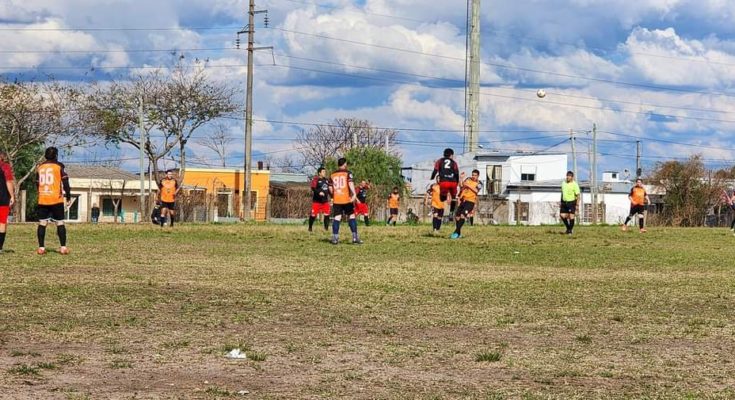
219	142
34	115
288	163
116	190
322	142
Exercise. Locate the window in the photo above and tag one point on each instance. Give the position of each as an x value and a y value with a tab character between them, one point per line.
73	212
528	177
528	173
522	211
494	179
253	200
108	208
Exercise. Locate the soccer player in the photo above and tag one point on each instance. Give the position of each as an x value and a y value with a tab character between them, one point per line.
394	202
638	200
731	203
7	195
570	196
320	198
361	207
169	188
448	172
342	189
53	189
433	197
468	197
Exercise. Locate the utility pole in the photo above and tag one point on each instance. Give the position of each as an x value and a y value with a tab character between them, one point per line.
638	171
594	173
574	152
248	167
141	127
472	97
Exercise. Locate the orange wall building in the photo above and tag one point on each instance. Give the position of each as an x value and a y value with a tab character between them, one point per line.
227	184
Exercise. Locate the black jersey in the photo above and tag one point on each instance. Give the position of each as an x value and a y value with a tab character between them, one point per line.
362	194
447	169
320	185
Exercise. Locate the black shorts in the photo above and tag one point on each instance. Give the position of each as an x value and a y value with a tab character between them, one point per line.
169	206
393	211
637	209
439	212
465	208
53	212
340	209
568	207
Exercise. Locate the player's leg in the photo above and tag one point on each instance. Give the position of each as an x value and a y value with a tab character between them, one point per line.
571	223
353	226
164	213
171	216
312	216
564	215
4	212
337	220
61	232
631	214
41	235
366	210
641	219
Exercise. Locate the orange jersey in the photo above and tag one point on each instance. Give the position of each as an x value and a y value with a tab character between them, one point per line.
168	190
470	188
51	175
436	196
638	196
393	200
341	192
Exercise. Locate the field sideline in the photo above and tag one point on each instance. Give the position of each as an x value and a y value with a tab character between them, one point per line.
506	312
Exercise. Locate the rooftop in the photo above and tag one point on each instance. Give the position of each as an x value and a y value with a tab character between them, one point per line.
98	172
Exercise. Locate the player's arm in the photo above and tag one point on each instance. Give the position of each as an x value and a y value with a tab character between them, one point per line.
331	188
65	184
10	183
648	199
353	193
177	186
436	169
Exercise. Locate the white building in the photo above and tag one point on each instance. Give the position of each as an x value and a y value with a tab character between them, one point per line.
525	187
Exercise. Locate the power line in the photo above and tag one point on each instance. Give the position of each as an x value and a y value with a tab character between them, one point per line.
363	12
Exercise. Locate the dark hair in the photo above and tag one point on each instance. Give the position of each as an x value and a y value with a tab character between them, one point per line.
476	171
639	179
4	157
169	170
341	162
448	152
52	153
570	173
319	171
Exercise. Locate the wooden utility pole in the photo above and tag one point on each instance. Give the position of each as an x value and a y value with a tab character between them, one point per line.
472	113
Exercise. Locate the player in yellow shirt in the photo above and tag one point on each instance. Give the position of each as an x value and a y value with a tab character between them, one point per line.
468	198
638	200
570	197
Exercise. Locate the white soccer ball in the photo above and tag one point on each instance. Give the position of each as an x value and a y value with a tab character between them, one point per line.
541	93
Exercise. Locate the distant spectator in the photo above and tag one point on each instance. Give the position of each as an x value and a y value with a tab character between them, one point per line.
95	213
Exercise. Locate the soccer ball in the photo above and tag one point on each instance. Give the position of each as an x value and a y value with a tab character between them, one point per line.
541	93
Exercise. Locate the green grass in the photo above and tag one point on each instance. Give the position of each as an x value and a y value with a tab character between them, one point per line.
505	312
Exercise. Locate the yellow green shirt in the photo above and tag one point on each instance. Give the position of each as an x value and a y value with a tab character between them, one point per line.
569	191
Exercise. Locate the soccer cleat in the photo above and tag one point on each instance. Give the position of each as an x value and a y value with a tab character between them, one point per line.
624	227
41	251
357	241
455	235
334	241
63	250
569	233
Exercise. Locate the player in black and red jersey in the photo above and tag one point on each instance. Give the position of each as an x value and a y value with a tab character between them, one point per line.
361	206
320	198
448	171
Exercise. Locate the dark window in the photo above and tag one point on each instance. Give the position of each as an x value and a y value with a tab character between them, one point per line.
528	177
108	208
73	212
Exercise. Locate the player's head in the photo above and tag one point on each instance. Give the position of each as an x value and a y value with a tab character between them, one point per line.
395	189
322	172
4	157
475	174
363	183
639	182
169	173
570	176
448	153
342	163
51	153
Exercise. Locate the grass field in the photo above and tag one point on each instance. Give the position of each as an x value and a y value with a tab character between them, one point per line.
506	312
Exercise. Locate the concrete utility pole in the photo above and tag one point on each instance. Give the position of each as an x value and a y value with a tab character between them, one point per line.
472	100
250	30
638	171
594	173
574	152
141	127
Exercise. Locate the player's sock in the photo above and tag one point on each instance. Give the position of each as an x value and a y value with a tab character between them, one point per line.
640	222
41	233
335	227
460	223
61	231
311	222
437	223
472	221
2	239
367	221
326	223
171	218
571	224
627	220
353	226
452	206
732	225
162	221
566	222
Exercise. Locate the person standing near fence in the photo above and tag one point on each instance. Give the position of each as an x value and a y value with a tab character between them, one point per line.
638	200
7	195
53	189
169	188
320	198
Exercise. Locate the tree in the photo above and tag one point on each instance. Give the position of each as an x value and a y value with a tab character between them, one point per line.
321	142
691	191
219	142
287	163
34	115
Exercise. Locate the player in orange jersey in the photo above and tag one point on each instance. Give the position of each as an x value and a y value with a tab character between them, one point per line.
54	197
638	200
7	195
169	188
468	198
394	202
342	189
434	197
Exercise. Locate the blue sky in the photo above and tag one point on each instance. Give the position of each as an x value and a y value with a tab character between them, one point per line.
659	71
